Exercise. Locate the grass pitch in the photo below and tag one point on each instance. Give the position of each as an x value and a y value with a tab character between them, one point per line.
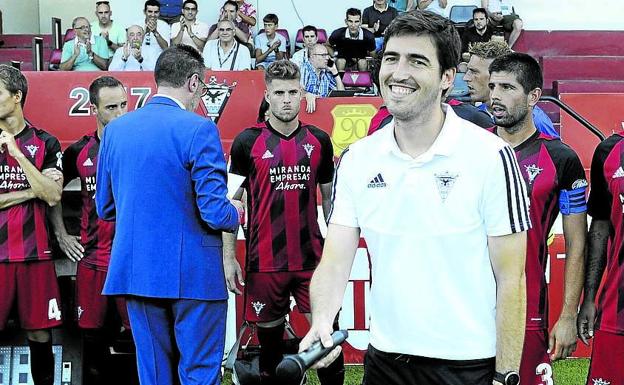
572	371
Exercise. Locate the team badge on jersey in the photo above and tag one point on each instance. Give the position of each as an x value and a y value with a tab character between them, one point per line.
533	171
600	381
445	182
216	97
308	149
258	306
32	150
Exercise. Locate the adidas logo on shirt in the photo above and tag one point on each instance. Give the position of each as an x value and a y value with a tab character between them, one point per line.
619	173
267	155
88	162
377	182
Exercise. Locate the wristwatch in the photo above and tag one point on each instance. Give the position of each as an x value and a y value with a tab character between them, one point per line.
509	378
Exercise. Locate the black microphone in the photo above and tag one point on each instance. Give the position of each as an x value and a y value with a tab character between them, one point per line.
292	367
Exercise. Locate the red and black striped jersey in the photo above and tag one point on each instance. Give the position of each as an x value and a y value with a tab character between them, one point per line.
606	202
23	230
282	174
80	161
555	181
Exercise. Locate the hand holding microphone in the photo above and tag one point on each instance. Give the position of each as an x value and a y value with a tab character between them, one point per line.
292	367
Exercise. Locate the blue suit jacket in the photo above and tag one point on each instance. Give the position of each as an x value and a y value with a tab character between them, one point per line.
162	177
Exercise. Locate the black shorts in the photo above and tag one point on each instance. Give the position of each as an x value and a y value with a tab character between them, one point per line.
382	368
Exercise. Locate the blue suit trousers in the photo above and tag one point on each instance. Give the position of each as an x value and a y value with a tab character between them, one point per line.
178	333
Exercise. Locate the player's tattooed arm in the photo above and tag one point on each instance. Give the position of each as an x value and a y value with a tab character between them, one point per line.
595	263
326	190
231	267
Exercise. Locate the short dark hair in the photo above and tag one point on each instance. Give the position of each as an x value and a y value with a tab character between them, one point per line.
262	110
281	70
271	18
151	3
98	84
438	28
190	2
479	10
309	28
231	2
524	66
14	80
353	12
176	64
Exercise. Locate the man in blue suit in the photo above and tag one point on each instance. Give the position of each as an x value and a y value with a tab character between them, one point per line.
162	177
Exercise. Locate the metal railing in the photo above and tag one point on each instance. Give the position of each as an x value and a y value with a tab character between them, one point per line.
575	115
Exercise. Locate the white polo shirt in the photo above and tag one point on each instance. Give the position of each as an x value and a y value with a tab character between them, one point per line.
426	221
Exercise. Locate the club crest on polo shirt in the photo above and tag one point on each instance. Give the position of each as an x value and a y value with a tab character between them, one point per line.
32	150
445	182
600	381
533	171
258	306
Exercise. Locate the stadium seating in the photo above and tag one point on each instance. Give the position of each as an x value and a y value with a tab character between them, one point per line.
55	56
322	38
587	86
461	13
553	43
358	79
580	68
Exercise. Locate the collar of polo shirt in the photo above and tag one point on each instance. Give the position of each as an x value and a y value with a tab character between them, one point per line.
444	145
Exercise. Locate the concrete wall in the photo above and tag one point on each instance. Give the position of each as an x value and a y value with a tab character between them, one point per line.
21	16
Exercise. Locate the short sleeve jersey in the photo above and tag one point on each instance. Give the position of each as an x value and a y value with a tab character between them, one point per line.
80	161
281	178
23	231
606	202
555	181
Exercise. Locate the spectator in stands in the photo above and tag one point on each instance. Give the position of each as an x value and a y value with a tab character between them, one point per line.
402	6
225	53
270	45
131	56
319	76
501	14
478	77
246	13
310	38
189	30
352	44
377	18
170	11
157	32
85	52
479	31
435	6
229	12
104	26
